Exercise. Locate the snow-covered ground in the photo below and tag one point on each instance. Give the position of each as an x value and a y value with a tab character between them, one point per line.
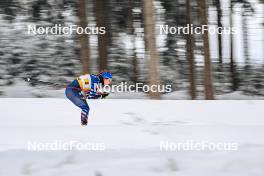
131	131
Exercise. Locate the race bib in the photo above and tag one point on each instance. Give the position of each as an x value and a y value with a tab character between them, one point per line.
85	82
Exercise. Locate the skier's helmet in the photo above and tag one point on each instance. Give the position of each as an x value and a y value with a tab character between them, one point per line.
106	75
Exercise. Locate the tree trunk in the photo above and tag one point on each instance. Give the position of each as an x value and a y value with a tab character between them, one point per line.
190	55
245	41
103	39
131	32
150	45
208	84
232	63
219	24
83	38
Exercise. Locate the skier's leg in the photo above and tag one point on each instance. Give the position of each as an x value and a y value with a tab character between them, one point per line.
75	98
84	114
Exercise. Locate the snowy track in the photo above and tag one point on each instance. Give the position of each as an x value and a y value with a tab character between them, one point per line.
131	131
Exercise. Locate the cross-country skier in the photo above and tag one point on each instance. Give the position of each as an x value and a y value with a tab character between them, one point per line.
87	87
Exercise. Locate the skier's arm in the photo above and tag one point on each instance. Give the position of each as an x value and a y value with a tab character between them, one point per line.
94	95
97	95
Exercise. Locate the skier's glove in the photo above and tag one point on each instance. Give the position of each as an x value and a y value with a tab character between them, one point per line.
104	95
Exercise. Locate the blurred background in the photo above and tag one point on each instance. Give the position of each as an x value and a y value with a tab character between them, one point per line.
197	66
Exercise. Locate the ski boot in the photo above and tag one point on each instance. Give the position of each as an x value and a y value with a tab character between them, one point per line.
84	119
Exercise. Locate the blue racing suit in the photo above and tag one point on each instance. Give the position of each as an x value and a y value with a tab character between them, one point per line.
85	86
